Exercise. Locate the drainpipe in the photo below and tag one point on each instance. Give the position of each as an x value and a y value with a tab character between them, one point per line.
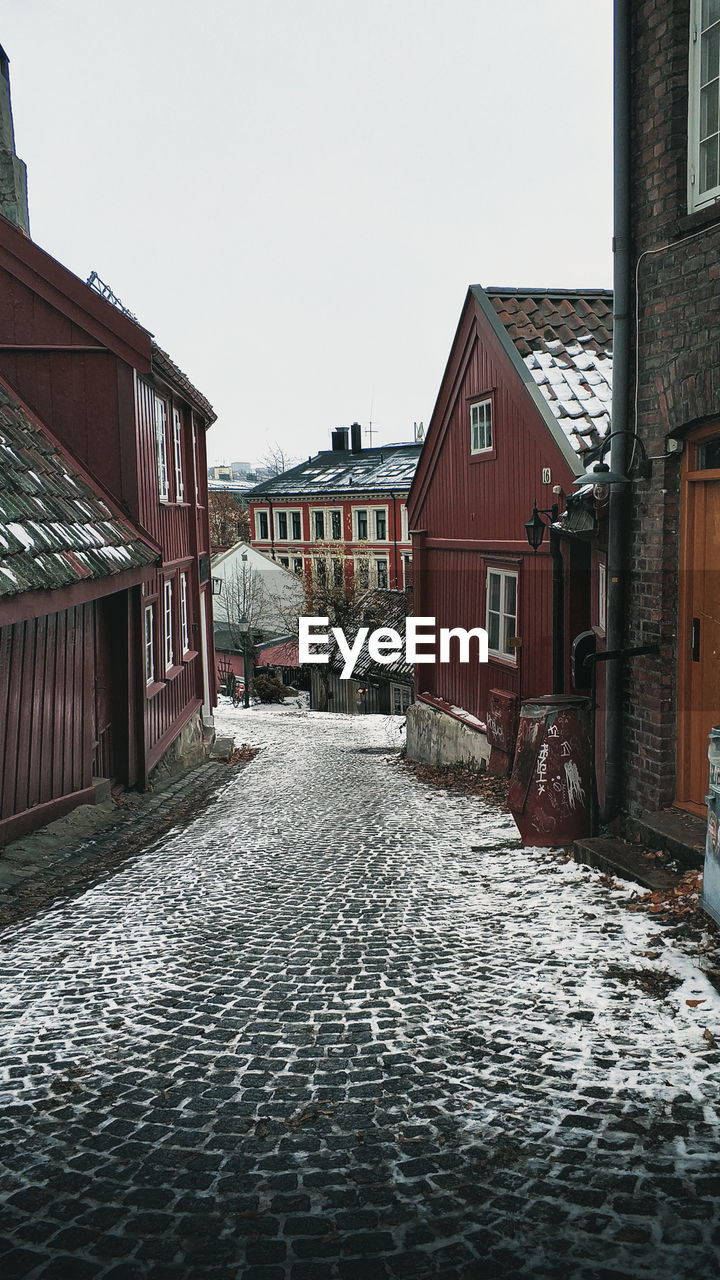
558	610
619	510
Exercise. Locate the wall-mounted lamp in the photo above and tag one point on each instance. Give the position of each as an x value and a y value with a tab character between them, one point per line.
535	526
217	586
600	473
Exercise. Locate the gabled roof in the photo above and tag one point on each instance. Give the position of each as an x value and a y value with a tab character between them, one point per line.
563	338
341	472
166	369
56	529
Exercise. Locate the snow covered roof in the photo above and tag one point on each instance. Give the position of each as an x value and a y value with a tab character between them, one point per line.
375	609
341	472
564	338
55	530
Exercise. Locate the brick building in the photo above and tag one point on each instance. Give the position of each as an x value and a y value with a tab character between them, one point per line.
667	281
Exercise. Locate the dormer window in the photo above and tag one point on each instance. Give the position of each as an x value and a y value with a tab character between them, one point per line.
481	440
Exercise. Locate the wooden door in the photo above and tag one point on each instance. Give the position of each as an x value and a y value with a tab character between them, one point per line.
699	621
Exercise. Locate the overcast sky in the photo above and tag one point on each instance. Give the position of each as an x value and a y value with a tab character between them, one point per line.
294	195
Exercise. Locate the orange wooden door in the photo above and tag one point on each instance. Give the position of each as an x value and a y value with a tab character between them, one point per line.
699	635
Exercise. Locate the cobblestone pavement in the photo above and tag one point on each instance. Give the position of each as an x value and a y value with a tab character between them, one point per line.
341	1026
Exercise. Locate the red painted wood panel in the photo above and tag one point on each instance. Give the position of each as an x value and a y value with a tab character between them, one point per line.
46	671
481	503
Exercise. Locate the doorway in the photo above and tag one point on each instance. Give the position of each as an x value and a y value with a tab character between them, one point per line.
699	616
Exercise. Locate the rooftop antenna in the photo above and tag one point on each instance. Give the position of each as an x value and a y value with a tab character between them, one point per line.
371	433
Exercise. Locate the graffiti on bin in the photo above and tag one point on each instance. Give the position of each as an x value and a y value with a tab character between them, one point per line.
713	833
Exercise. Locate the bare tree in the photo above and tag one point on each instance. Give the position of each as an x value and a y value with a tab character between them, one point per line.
277	460
332	588
229	520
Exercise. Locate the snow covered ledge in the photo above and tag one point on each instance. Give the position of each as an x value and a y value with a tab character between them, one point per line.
440	734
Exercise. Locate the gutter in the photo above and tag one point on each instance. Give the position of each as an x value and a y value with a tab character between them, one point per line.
619	512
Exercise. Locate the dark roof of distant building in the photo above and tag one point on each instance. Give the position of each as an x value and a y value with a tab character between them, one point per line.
384	468
55	528
564	339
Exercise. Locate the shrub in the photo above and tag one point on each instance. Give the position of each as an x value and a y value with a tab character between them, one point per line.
269	689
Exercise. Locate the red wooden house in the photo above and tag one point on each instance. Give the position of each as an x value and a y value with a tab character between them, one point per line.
129	658
525	395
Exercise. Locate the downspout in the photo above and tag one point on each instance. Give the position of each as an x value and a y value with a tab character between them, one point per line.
558	609
619	508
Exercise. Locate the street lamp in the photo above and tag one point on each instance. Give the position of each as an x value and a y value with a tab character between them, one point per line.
244	627
600	473
535	531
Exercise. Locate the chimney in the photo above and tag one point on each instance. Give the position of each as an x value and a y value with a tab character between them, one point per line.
339	440
356	437
13	174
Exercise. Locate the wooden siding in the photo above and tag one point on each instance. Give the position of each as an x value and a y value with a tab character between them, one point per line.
46	709
467	514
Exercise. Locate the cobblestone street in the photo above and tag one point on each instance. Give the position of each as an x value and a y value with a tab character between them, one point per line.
342	1026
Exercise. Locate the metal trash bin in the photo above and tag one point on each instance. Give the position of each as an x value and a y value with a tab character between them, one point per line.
710	900
551	785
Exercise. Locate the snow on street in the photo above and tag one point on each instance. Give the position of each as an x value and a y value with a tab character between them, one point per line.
342	1025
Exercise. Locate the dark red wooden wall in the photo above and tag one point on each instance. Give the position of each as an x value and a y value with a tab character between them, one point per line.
467	514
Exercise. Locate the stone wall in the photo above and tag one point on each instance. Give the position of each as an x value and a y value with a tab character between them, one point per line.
438	739
185	752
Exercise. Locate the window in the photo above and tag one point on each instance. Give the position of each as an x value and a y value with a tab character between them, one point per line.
338	573
708	456
284	561
282	526
602	596
407	571
196	468
296	526
501	613
401	698
381	573
319	526
168	624
380	525
481	426
704	104
404	531
298	566
177	454
262	527
321	572
149	643
184	625
161	445
336	524
362	573
361	526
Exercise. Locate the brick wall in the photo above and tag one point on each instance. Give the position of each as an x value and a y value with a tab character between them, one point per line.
677	347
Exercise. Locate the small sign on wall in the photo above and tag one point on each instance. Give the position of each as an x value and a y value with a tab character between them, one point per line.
546	475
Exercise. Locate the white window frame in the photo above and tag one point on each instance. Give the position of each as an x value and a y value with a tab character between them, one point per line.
377	562
404	526
335	511
289	512
169	649
356	511
361	563
177	455
406	568
481	426
149	644
379	511
505	575
298	566
318	511
293	538
602	596
262	511
184	619
161	448
284	561
698	199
